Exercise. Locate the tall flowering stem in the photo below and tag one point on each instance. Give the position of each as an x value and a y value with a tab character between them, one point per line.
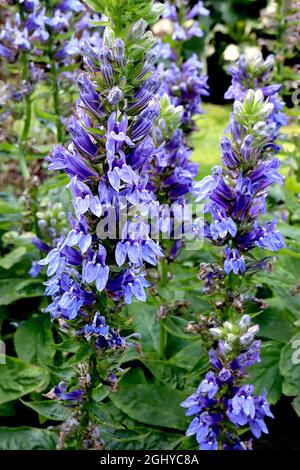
182	80
28	112
236	193
257	73
224	405
182	86
181	89
93	271
235	199
280	21
56	104
46	37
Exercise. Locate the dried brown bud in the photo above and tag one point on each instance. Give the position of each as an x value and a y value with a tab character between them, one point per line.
162	312
294	290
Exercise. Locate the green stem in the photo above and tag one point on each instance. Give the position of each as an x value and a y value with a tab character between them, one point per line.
162	339
163	270
53	71
27	120
59	129
27	115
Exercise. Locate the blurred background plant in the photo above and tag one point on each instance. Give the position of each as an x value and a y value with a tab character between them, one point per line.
33	117
40	45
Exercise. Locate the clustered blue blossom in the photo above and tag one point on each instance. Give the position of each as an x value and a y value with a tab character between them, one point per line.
235	194
185	85
51	222
172	173
223	404
33	30
256	73
185	19
106	337
106	162
235	199
73	396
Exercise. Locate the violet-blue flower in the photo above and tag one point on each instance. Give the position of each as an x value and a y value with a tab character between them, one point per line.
223	403
236	194
255	72
106	162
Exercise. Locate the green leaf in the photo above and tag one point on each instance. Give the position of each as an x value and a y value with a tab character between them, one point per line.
189	356
7	147
296	405
13	257
8	409
15	289
33	340
19	378
154	404
265	375
281	281
290	366
134	376
130	354
51	409
58	181
67	68
167	373
176	326
97	5
109	416
42	114
121	433
145	323
140	438
100	392
26	438
276	324
99	23
188	443
292	184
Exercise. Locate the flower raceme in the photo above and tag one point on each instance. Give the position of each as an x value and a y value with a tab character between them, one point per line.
181	89
182	81
170	169
235	194
40	42
235	197
30	30
185	85
223	403
256	73
184	20
106	162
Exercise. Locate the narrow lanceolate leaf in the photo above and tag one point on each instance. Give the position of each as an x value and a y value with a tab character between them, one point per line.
12	258
13	289
19	378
